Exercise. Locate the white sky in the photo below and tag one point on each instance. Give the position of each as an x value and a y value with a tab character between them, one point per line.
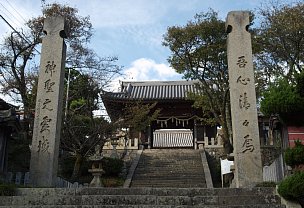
132	30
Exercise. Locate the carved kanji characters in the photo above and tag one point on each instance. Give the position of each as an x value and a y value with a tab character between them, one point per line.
48	84
45	104
45	124
243	81
243	101
241	62
246	123
43	145
50	67
247	145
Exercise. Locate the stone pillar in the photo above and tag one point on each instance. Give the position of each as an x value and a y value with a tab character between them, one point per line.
246	143
48	112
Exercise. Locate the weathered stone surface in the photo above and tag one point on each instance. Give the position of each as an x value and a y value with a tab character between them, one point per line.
148	206
248	167
5	200
47	124
169	168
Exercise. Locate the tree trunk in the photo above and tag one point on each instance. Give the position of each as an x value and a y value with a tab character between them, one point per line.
229	123
226	142
28	119
77	165
224	122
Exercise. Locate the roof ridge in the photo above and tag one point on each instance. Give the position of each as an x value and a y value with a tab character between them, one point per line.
170	82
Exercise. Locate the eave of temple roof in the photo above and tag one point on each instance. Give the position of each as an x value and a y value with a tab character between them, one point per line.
8	116
5	106
153	90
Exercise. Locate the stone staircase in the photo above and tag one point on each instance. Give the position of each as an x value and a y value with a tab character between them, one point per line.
142	198
179	168
172	179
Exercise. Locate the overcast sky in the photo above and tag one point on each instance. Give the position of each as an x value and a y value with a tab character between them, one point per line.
132	30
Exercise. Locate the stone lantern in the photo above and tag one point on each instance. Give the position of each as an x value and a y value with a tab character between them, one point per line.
114	143
96	169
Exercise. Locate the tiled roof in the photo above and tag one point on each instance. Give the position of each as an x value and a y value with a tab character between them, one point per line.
154	90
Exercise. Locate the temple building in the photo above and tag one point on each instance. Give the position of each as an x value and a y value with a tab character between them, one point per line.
178	125
9	123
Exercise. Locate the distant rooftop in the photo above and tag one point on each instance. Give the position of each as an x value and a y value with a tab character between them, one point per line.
154	90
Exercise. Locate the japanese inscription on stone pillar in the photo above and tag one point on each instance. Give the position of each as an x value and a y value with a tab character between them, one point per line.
248	167
47	124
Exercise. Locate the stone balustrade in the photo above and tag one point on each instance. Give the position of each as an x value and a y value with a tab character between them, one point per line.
209	143
122	144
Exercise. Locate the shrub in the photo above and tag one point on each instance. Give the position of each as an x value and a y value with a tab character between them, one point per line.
7	189
282	98
112	166
292	187
295	156
112	182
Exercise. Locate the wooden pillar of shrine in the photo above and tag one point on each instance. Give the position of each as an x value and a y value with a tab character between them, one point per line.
195	134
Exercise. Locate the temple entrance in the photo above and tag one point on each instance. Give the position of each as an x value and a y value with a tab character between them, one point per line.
178	125
172	138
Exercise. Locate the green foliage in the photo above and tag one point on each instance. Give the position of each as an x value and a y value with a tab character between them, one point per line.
138	115
280	37
199	48
199	52
80	135
83	93
300	84
112	166
294	156
292	187
282	98
7	189
77	104
201	102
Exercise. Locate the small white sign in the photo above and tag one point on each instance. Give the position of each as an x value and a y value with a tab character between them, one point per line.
225	166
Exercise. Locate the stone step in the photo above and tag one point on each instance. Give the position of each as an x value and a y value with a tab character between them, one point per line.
145	206
165	185
168	181
190	179
142	197
172	167
169	168
176	181
139	200
260	191
169	171
164	169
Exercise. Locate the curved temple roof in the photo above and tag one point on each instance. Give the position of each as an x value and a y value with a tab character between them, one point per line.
154	90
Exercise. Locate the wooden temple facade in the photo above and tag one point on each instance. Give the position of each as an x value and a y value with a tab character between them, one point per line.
177	126
9	123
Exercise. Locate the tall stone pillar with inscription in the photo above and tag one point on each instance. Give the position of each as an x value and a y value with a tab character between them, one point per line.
247	154
48	112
